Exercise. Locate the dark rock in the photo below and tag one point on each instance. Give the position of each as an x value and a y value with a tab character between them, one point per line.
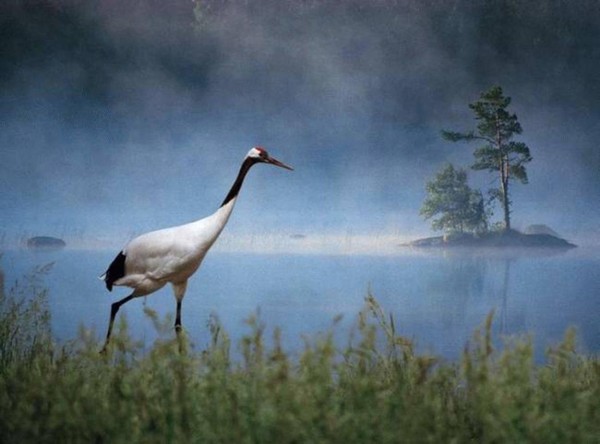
45	242
540	229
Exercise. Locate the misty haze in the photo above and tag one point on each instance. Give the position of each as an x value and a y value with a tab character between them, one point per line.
290	221
120	118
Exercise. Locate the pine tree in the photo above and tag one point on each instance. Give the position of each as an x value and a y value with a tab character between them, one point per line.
499	153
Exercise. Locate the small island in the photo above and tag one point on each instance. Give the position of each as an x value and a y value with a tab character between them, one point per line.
464	213
509	239
45	243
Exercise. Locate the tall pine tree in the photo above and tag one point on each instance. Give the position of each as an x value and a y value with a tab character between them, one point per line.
499	153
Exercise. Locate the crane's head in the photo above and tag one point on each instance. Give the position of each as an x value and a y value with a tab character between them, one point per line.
259	154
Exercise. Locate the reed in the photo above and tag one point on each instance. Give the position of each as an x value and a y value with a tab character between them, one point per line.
375	389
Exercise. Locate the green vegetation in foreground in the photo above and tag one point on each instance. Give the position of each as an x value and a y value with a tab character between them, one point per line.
375	390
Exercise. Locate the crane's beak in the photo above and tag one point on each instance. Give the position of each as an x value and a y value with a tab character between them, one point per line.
275	162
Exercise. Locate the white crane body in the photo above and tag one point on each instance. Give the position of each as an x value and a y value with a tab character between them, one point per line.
172	255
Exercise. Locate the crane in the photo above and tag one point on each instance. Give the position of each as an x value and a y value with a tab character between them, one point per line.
172	255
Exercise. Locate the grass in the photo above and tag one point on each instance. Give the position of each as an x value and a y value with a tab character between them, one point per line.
377	389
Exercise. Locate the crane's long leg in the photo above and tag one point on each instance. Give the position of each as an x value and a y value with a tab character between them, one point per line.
114	308
179	292
178	328
178	318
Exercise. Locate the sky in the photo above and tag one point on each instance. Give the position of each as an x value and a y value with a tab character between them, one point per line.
124	117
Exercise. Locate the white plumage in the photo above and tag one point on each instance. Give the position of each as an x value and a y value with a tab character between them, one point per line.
172	255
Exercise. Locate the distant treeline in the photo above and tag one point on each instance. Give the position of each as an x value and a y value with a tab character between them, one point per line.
525	32
414	59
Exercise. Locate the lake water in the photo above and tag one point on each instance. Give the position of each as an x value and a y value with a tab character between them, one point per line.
438	299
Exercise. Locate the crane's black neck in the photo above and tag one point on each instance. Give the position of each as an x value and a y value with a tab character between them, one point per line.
235	188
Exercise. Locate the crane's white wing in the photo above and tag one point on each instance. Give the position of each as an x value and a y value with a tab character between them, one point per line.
174	254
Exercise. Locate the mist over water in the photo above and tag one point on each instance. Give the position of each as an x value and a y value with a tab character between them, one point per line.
438	300
124	117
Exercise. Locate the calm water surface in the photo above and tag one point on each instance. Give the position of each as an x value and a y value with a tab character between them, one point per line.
437	299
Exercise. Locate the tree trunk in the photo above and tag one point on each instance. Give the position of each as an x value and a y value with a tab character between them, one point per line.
505	205
504	168
505	200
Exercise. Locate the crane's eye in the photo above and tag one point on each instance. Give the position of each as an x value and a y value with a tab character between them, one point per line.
262	153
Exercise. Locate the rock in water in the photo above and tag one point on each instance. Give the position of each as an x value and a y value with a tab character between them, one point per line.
46	243
541	229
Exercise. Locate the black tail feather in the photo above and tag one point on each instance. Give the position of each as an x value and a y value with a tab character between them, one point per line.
116	270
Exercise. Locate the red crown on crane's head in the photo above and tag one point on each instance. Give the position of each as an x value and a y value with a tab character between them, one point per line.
259	154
